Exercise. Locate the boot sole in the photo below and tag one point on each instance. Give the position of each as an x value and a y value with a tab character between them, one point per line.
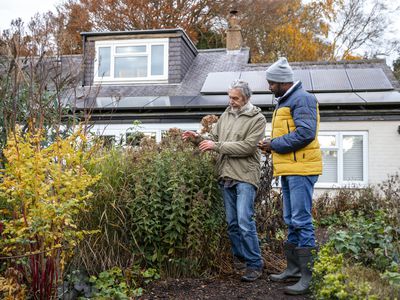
289	279
249	280
289	292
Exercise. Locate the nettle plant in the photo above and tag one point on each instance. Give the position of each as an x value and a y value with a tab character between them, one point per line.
45	188
175	208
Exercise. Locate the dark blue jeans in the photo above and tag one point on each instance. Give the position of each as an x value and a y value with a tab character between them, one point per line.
239	210
297	205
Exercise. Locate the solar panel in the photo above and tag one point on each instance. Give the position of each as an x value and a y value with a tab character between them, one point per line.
256	80
106	102
262	100
380	97
330	80
170	102
368	79
338	98
76	102
218	82
304	77
209	101
122	102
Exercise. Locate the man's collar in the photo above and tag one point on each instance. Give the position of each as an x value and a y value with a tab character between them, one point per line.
295	85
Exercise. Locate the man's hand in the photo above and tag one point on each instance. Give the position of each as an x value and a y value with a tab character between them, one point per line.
206	145
188	135
265	146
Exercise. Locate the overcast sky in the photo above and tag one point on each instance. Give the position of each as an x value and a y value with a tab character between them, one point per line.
24	9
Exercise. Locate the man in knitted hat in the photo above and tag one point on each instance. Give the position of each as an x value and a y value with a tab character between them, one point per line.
297	158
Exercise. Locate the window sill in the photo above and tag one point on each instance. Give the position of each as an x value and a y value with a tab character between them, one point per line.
347	185
130	82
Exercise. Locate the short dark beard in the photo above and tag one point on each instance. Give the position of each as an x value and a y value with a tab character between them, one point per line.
282	90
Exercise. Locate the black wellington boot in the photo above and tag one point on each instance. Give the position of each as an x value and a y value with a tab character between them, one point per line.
292	271
305	257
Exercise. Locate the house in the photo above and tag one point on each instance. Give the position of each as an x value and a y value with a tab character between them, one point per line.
161	79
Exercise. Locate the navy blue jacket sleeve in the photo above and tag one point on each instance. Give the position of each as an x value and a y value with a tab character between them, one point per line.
303	108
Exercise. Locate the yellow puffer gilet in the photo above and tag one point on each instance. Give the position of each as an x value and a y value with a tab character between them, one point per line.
305	161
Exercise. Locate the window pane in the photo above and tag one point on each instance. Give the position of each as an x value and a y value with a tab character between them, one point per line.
157	60
130	49
353	158
126	67
329	166
327	140
104	61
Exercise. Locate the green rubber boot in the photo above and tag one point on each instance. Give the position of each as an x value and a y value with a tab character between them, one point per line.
292	271
305	258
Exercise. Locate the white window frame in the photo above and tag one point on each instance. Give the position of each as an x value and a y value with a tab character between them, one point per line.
339	148
98	79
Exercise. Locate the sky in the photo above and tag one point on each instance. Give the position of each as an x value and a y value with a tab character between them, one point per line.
25	9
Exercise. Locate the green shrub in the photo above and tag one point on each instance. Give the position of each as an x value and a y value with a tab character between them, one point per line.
332	208
330	280
367	240
156	206
176	208
364	232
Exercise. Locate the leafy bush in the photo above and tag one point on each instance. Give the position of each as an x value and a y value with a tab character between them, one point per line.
330	280
330	208
45	188
176	209
114	284
365	227
156	206
367	240
335	277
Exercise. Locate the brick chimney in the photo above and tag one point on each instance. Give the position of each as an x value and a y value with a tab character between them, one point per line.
233	34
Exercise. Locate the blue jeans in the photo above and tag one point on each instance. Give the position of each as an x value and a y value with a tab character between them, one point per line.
297	205
239	210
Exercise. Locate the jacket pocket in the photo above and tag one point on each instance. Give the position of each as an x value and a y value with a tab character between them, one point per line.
286	158
310	155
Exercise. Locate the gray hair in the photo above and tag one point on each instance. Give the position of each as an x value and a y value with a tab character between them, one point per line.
243	86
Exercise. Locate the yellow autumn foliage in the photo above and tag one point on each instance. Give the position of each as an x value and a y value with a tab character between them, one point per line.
45	189
296	30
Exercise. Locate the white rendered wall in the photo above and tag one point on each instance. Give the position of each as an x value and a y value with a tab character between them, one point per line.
383	141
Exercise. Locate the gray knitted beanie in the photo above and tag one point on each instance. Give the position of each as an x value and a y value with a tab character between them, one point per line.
280	71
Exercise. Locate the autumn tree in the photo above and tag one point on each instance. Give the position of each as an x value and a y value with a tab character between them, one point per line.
197	18
274	28
300	30
362	24
69	21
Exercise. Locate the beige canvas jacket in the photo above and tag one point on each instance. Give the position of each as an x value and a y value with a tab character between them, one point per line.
236	136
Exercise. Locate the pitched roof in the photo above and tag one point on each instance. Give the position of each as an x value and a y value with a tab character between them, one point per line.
355	85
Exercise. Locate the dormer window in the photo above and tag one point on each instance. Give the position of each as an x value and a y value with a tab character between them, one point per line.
127	61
